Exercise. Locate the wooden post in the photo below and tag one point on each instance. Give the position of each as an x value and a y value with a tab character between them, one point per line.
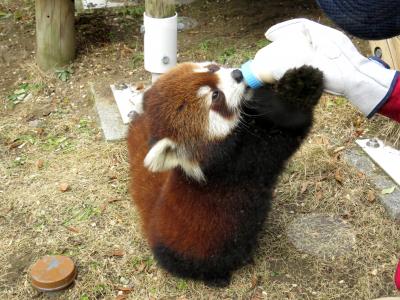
55	33
159	9
389	50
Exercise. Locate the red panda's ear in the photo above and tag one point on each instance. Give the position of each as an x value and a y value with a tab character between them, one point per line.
164	156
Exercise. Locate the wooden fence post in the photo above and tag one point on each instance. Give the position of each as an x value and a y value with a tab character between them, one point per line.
55	33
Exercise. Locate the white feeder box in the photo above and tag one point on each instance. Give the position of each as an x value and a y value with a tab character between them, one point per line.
160	44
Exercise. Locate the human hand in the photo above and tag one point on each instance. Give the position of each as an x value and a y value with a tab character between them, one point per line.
366	83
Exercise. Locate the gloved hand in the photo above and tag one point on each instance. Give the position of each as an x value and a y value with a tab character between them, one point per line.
366	83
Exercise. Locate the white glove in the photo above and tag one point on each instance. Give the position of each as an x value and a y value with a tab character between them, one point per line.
366	83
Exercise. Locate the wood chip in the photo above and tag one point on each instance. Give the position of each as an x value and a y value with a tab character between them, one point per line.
64	187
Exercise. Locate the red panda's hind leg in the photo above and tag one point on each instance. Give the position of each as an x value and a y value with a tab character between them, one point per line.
213	272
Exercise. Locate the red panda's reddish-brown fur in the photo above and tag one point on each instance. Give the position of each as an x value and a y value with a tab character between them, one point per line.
164	100
205	229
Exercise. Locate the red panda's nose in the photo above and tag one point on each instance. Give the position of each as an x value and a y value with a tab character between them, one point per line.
237	75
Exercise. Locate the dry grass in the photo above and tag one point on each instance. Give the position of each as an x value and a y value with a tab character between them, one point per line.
388	131
53	138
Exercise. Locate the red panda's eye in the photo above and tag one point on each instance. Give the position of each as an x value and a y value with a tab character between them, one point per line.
215	95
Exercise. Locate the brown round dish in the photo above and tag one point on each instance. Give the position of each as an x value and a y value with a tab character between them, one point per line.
53	273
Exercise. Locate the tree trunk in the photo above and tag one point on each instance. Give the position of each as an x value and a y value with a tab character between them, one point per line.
55	33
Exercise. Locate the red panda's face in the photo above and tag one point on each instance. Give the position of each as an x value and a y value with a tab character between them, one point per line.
193	104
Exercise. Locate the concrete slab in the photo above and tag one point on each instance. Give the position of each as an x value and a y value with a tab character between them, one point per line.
391	201
322	235
385	156
110	119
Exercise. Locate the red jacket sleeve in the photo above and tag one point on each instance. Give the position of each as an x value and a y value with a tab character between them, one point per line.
397	276
391	108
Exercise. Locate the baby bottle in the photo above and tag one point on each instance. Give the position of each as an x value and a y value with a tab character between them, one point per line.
272	61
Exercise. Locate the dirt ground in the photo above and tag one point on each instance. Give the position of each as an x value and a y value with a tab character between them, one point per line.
63	189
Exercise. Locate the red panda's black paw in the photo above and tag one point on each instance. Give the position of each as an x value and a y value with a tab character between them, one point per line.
301	87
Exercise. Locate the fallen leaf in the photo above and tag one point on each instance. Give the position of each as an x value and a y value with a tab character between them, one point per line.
304	187
337	156
339	149
321	140
255	281
318	186
64	187
128	49
338	176
112	177
73	229
113	200
361	175
371	196
388	190
140	86
39	164
359	132
39	131
117	253
103	207
125	289
141	267
318	195
257	295
15	144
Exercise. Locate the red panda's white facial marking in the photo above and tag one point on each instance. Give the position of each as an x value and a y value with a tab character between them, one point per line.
188	107
224	100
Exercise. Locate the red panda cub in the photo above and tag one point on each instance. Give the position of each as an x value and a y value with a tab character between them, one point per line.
205	155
